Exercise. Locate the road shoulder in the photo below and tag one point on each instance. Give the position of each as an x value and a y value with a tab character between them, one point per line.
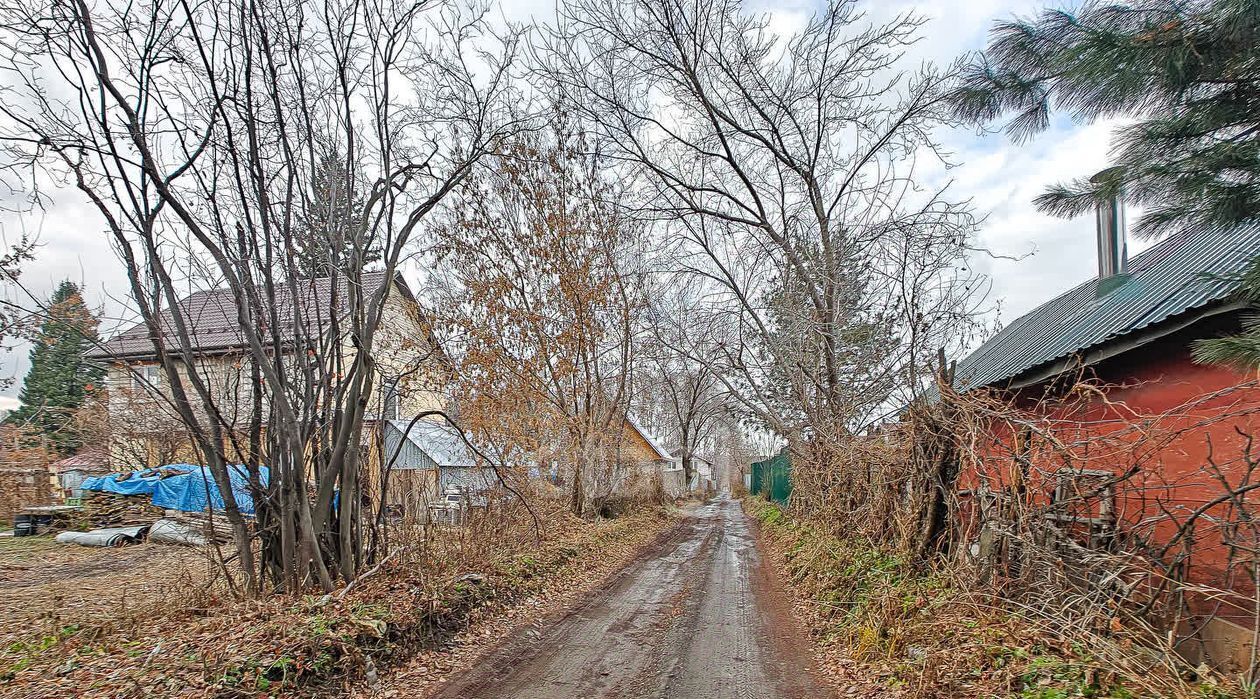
786	627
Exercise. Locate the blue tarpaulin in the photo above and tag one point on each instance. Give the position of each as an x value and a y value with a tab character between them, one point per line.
142	482
187	492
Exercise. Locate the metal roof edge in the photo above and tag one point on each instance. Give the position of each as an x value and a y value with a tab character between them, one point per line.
1115	346
1186	272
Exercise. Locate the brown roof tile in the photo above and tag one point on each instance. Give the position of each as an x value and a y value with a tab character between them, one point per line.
87	460
211	317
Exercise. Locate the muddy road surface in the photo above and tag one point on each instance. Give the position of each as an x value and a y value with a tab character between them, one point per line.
698	617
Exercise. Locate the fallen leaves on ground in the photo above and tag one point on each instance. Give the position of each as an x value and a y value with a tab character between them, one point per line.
882	630
152	631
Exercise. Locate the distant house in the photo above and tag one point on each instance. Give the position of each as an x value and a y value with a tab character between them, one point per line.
704	470
640	447
705	477
644	457
1131	328
430	460
411	375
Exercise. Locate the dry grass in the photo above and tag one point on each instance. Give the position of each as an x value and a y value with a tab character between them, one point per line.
885	630
1108	529
53	590
214	646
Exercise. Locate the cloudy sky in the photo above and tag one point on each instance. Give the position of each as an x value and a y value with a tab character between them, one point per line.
1048	255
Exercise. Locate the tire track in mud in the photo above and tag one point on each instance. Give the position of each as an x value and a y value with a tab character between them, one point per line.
698	617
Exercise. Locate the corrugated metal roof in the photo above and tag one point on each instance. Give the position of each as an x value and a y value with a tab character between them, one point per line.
402	453
211	317
441	442
1185	272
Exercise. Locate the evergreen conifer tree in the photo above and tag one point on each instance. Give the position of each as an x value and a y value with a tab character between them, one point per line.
60	376
1187	72
328	240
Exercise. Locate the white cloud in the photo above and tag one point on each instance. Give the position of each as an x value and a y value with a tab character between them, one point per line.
953	28
1050	255
1046	255
71	244
785	17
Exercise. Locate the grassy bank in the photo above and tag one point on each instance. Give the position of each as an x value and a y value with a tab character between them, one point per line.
885	630
194	644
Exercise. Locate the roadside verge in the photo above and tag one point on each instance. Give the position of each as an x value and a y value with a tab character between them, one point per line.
882	629
414	610
514	602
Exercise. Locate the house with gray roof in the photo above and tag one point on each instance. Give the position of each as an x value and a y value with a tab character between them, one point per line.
1182	289
429	458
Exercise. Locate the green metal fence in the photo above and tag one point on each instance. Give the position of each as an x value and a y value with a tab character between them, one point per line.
772	478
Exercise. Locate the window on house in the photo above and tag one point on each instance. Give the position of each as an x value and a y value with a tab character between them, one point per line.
149	375
389	399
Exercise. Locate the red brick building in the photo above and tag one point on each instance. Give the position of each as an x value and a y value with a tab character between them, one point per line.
1137	446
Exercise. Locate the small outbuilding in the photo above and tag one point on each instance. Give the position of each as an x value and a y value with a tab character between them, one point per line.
1130	332
425	460
69	473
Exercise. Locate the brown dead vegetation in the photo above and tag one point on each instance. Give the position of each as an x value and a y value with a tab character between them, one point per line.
189	639
50	587
980	545
24	457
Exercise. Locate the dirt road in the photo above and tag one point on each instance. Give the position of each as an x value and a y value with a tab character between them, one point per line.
700	617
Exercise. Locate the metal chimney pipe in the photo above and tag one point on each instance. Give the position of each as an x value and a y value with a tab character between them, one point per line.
1113	256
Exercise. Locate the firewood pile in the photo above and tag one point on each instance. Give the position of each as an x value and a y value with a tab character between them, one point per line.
114	510
199	523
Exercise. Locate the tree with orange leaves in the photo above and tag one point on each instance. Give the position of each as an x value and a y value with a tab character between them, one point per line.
536	296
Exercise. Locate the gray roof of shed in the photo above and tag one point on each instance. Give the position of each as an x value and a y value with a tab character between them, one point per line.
211	317
1186	272
439	441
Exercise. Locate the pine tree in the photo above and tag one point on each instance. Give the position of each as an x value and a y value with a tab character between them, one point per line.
330	238
795	339
1185	72
60	376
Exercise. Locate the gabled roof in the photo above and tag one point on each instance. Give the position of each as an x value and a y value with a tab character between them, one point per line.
211	317
95	460
661	452
439	441
1188	272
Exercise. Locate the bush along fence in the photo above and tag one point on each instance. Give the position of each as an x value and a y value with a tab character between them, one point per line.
1133	530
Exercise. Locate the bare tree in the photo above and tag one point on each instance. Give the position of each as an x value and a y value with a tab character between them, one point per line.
686	345
16	317
198	131
790	169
